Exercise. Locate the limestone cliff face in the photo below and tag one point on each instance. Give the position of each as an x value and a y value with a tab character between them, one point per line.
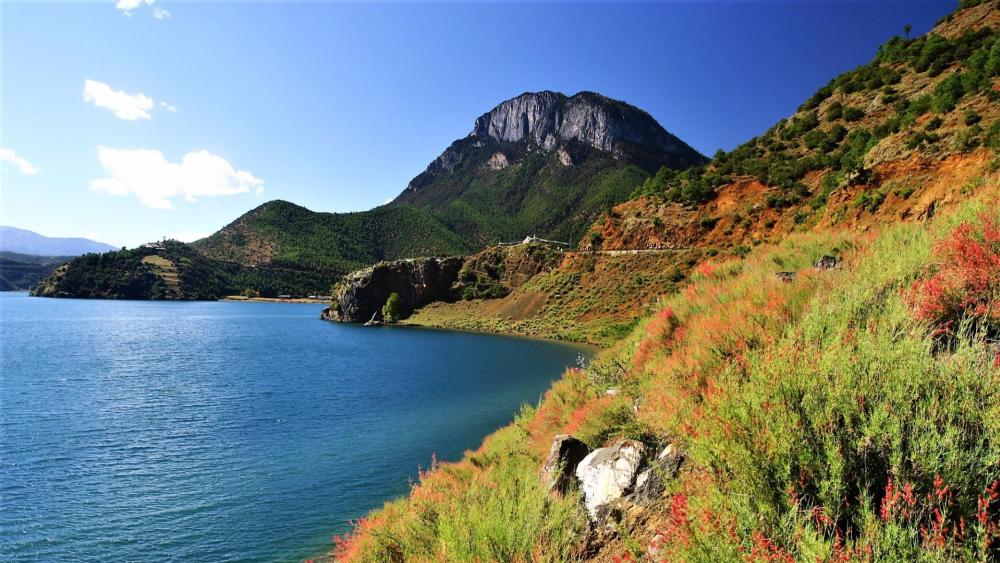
548	119
418	281
551	121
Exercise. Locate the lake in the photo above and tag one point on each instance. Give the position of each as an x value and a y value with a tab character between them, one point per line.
229	431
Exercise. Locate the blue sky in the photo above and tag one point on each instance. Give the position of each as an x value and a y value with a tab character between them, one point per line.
336	106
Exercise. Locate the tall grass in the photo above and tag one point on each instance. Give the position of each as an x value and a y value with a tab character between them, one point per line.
799	433
491	506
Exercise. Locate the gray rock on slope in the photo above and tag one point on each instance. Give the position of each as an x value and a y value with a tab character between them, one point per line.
565	454
651	483
555	122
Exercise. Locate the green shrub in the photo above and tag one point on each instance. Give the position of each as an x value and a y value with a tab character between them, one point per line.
870	200
392	311
852	113
992	138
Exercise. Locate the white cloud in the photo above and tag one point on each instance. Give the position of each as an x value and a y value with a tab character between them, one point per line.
127	6
168	107
149	176
126	106
22	164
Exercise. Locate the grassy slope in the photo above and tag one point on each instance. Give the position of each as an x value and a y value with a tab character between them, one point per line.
590	298
795	404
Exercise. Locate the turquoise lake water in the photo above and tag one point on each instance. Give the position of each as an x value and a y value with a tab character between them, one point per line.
138	431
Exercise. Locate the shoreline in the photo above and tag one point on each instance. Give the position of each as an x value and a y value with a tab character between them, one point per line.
592	348
274	299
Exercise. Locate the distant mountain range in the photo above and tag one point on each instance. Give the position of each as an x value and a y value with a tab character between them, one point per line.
23	241
27	257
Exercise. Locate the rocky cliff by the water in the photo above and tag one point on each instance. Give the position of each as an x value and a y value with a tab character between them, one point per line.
494	272
361	295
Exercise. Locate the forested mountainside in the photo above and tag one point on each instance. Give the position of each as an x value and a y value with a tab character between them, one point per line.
19	272
822	385
283	234
546	164
542	163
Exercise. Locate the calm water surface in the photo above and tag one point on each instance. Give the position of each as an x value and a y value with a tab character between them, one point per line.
229	431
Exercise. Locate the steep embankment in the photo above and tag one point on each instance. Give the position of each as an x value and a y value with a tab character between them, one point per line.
832	414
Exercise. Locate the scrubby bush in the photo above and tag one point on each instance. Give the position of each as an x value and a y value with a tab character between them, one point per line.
834	111
993	136
852	113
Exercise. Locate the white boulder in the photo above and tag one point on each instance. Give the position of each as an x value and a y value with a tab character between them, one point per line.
607	474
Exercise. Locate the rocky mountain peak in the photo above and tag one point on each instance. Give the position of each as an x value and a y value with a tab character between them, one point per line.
574	127
549	118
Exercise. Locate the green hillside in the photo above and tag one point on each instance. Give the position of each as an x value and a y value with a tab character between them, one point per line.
537	194
786	406
284	235
174	270
928	96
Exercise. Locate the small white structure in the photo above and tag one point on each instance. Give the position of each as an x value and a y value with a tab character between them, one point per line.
533	239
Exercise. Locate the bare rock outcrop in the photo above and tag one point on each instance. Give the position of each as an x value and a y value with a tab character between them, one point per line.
556	123
548	119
